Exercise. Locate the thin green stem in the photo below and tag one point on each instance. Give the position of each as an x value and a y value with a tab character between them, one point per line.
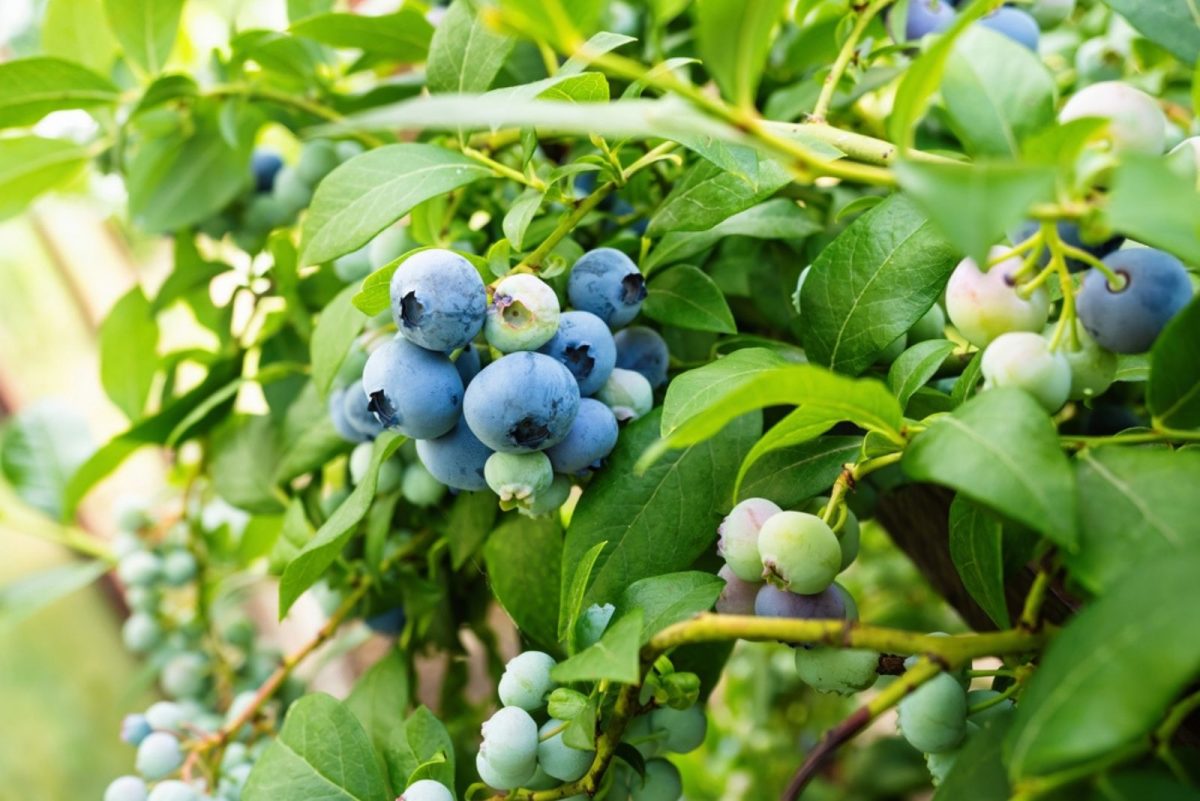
1031	613
844	56
503	170
293	101
997	700
1133	438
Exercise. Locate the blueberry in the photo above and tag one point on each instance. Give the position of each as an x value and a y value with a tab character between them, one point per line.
1071	234
126	788
1093	369
143	599
337	414
132	515
178	567
522	402
593	623
737	598
608	284
1135	120
141	633
505	779
984	305
357	408
390	622
265	166
526	681
1186	158
585	345
426	790
317	159
185	675
737	537
420	487
134	729
1129	320
174	791
468	363
799	552
1025	361
518	478
523	314
265	213
558	759
140	568
1016	24
685	728
291	192
159	755
592	437
661	783
166	716
644	351
510	740
837	670
347	149
627	393
1050	13
413	390
438	300
456	459
926	17
1099	60
933	718
828	604
849	535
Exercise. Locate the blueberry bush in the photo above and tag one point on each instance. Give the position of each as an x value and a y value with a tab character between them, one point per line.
648	320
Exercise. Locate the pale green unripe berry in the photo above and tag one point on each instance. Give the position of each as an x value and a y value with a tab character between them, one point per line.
174	791
933	718
1050	13
360	462
800	553
419	487
1025	361
141	633
426	790
628	393
510	741
126	788
837	670
737	541
685	728
1136	122
166	716
931	326
185	675
642	735
1186	157
662	783
178	567
132	513
940	765
592	624
389	245
523	314
558	759
1093	369
518	477
526	681
893	350
504	780
139	568
550	500
159	755
849	535
984	305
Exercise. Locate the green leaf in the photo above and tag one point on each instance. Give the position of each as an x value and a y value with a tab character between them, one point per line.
977	549
465	55
613	658
560	22
335	332
913	369
320	552
1109	676
378	700
403	36
1173	395
129	352
1169	222
794	474
997	93
308	439
510	551
186	176
31	165
371	191
321	752
146	29
30	88
708	194
1137	784
978	772
975	205
800	426
692	393
520	214
1131	509
686	297
425	751
872	284
244	453
573	594
24	597
470	520
294	533
776	219
42	447
1174	24
669	599
734	38
1001	449
658	522
77	30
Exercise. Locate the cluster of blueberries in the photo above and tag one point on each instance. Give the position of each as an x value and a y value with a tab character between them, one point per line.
1022	25
277	192
161	581
783	564
545	408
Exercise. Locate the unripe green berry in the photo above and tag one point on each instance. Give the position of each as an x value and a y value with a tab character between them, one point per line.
174	790
558	759
526	681
523	314
419	487
510	740
627	393
800	553
1025	361
178	567
426	790
933	718
126	788
140	568
685	728
159	756
737	541
518	477
662	783
141	633
837	670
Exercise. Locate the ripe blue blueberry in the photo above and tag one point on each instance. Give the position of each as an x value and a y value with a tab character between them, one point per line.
126	788
522	402
1016	24
585	345
357	409
737	598
174	790
518	478
265	166
426	790
141	633
1129	320
185	675
510	740
139	568
468	363
456	459
558	759
413	390
438	300
643	350
159	756
685	728
608	284
390	623
829	604
337	415
526	681
179	567
627	393
592	437
926	17
134	729
1136	122
523	314
317	159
